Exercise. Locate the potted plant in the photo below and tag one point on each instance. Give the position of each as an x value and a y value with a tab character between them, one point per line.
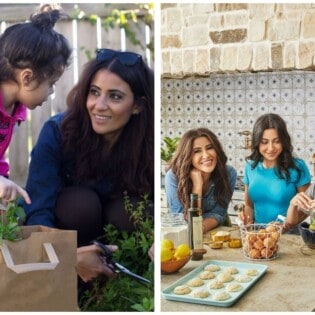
167	150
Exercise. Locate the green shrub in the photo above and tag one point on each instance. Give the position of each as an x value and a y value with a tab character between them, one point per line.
124	293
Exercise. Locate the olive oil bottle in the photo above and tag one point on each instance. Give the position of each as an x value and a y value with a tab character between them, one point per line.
195	226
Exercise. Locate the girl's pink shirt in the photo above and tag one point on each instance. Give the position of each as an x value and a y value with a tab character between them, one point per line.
7	124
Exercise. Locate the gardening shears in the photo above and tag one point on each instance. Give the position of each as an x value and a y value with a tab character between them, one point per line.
107	257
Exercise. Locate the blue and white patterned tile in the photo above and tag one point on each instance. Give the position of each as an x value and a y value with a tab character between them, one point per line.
251	95
198	109
310	123
298	95
218	83
178	85
286	95
286	108
198	96
251	82
167	85
229	83
274	81
274	96
298	81
310	80
286	81
207	83
187	84
262	82
197	84
168	97
229	96
178	97
208	96
240	82
298	122
218	96
310	94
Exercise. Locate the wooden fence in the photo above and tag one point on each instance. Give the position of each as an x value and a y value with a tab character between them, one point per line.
84	37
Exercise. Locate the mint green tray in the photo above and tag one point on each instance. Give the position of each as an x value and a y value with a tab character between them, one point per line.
234	296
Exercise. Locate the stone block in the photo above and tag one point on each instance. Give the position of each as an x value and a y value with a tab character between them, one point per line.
261	57
256	30
195	36
189	62
229	58
305	54
244	57
228	36
170	41
289	54
308	25
202	61
277	56
174	19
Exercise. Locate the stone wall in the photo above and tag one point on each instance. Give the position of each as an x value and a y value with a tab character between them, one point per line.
201	39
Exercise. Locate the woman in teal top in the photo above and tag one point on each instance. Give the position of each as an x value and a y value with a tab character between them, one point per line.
272	175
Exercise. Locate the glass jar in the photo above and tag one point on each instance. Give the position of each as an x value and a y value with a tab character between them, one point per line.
174	227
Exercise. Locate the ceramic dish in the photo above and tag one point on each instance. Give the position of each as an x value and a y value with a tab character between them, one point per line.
247	275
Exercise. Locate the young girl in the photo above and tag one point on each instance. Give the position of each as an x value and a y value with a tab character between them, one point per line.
199	166
32	58
272	174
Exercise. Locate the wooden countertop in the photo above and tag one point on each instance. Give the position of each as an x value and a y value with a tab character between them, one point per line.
288	285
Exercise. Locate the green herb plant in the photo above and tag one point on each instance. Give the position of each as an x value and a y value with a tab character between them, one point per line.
124	293
10	221
168	148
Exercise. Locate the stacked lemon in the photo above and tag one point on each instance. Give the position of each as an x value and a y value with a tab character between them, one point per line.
169	252
173	258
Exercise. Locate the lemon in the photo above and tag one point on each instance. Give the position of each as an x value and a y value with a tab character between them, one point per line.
166	243
166	254
182	250
312	227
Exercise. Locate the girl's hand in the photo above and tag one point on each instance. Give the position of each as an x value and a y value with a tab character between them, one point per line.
9	191
89	263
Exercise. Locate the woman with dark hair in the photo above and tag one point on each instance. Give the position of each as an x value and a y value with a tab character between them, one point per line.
101	148
199	166
272	174
33	56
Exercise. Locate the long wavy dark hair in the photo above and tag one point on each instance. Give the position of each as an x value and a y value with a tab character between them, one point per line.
285	160
130	161
181	165
35	45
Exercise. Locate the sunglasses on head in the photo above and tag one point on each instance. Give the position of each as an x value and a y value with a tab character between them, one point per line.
126	58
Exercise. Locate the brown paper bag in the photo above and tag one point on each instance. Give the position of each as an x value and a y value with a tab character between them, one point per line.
38	273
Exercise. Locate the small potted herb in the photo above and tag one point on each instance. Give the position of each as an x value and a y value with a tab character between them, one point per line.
10	220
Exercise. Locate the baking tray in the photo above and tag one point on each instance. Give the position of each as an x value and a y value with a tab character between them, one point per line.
242	268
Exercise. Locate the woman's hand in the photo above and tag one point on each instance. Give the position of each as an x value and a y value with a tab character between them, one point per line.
9	191
301	200
89	264
196	178
246	215
151	252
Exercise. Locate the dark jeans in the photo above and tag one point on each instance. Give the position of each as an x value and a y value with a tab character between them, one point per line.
81	209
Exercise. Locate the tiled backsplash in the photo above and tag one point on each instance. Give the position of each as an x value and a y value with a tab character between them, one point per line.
230	103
